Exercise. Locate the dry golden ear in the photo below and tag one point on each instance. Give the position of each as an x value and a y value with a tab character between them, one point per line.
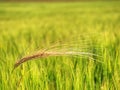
46	54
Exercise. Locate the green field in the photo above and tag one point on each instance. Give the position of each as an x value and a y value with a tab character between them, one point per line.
29	27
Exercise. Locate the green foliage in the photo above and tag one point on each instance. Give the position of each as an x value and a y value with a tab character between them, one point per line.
54	0
26	26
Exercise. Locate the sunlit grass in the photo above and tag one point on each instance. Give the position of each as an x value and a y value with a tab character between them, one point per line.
26	28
